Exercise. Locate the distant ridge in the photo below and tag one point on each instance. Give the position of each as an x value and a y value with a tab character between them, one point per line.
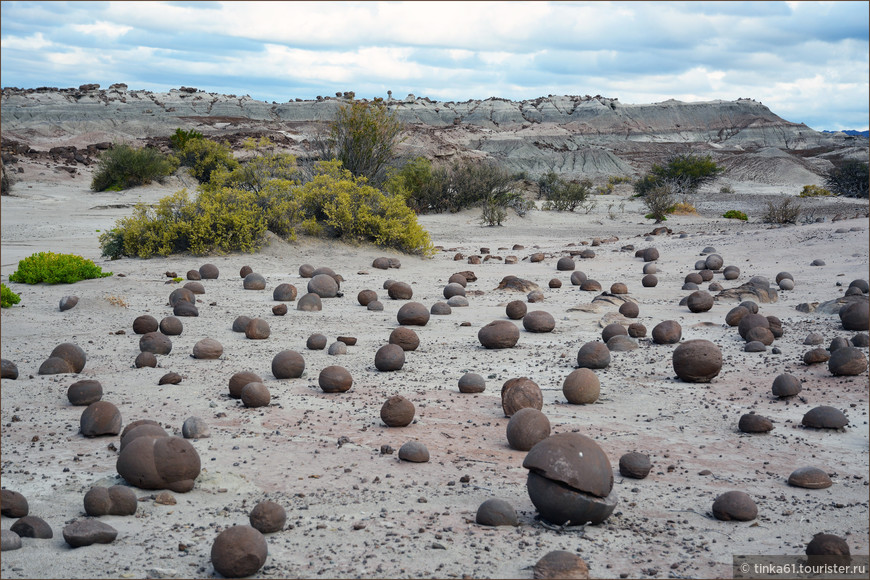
852	132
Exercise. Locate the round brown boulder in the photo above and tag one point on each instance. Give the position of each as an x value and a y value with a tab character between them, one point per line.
239	551
629	309
171	326
519	393
323	285
635	465
516	309
284	293
406	338
694	278
565	264
155	342
194	275
453	289
578	277
775	326
414	451
141	428
667	332
310	303
268	517
381	263
209	272
208	349
400	291
257	329
697	361
254	281
825	417
620	343
650	268
68	302
593	355
526	428
496	512
117	500
699	301
8	369
735	315
848	361
397	411
195	287
145	359
539	321
239	380
752	321
288	364
760	334
731	272
636	330
244	271
413	314
306	270
458	278
499	334
650	255
752	423
560	565
255	395
810	478
84	392
375	306
100	418
241	323
335	379
649	281
590	285
816	355
786	385
554	283
714	262
55	366
440	309
71	353
316	341
827	545
32	527
14	504
611	330
855	316
279	309
181	295
471	383
581	387
159	463
734	505
366	296
145	324
570	480
390	357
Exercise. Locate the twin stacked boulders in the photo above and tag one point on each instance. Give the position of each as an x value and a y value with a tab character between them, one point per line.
152	462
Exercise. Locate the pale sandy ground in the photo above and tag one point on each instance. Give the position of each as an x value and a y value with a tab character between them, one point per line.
419	518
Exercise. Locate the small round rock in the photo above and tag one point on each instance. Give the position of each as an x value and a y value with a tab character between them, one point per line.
406	338
496	512
539	321
581	387
809	478
752	423
397	411
84	392
697	361
196	428
786	385
848	361
825	417
593	355
316	341
335	379
827	545
560	565
516	309
257	329
414	451
635	465
471	383
255	395
735	505
208	349
239	551
667	332
288	364
268	517
390	357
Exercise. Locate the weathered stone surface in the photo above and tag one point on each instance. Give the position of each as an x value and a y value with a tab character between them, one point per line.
171	326
86	532
288	364
735	505
810	478
749	291
560	565
759	334
159	463
255	395
84	392
239	551
697	361
413	314
155	343
848	361
400	291
397	411
284	293
825	417
268	517
581	387
100	418
519	393
752	423
786	385
635	465
593	355
71	353
209	272
207	348
9	541
390	357
414	451
816	355
496	512
311	302
471	383
527	427
539	321
145	324
239	380
517	284
516	309
335	379
13	504
32	527
9	369
699	301
258	329
855	316
667	332
171	378
117	500
499	334
636	330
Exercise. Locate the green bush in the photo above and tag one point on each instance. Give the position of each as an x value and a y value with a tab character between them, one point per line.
205	156
849	178
683	173
563	195
181	138
54	268
363	137
8	297
226	218
658	201
814	191
786	211
256	173
733	214
122	167
421	186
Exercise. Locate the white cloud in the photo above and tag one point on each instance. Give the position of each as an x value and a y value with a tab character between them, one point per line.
34	42
103	29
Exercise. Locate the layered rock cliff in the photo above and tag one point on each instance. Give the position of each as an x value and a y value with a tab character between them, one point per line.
574	135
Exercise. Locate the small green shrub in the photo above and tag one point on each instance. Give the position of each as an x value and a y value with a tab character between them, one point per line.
650	216
734	214
182	137
8	297
54	268
726	189
561	194
658	201
205	156
122	167
617	179
786	211
814	191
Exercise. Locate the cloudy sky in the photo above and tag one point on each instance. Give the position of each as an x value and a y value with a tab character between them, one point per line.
807	61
